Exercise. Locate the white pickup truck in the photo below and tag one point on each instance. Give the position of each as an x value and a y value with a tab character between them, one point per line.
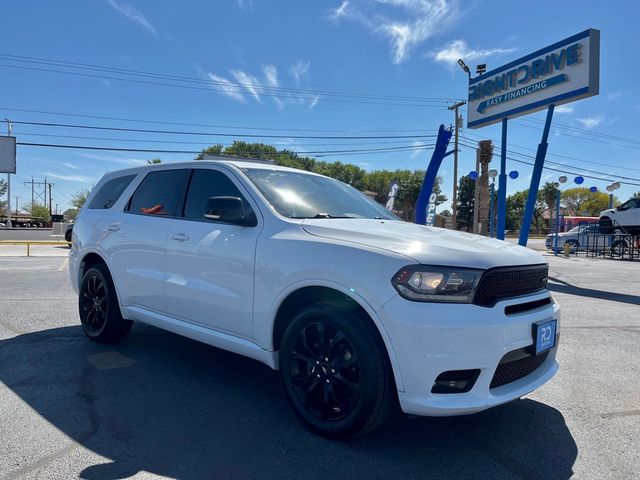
359	311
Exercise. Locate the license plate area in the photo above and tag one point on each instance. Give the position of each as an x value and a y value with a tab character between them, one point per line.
544	335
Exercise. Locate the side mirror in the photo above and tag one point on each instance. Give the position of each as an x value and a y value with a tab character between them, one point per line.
226	209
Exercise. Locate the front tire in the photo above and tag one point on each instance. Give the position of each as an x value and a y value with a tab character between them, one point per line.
98	307
335	372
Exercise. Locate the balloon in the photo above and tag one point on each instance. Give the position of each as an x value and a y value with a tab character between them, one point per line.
513	174
578	180
562	178
593	189
473	174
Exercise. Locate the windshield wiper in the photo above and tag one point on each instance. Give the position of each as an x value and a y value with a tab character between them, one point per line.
325	215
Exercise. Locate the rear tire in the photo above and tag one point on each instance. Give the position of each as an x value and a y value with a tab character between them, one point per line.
335	372
98	307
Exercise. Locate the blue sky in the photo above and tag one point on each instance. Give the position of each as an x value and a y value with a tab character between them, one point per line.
389	47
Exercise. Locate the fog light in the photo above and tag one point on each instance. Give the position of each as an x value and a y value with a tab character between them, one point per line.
455	381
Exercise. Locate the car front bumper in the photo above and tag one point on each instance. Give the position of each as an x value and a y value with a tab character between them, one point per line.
431	338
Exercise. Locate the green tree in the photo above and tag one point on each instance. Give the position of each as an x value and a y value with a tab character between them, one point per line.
549	193
3	190
71	213
636	195
78	198
37	211
465	203
516	204
580	201
212	150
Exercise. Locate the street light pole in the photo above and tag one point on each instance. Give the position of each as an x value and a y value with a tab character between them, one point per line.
492	173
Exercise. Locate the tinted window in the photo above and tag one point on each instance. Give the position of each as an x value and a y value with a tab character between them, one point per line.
206	184
158	193
110	192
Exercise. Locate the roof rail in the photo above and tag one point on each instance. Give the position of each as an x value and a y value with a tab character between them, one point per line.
232	157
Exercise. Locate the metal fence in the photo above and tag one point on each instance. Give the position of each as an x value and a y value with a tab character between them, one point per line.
596	241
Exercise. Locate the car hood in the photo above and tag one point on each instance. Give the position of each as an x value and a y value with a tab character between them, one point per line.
426	245
608	211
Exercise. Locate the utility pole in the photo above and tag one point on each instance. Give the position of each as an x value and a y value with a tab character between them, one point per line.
50	212
9	224
454	206
17	210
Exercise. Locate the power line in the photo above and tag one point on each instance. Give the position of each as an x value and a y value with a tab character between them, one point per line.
158	122
582	131
140	150
219	134
615	178
223	91
556	154
180	142
256	86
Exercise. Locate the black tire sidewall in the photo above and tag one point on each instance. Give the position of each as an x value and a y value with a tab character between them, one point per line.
371	369
115	326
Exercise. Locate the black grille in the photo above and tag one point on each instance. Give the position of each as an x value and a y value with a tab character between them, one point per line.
511	371
506	282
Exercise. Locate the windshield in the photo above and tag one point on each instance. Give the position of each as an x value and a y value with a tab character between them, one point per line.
301	195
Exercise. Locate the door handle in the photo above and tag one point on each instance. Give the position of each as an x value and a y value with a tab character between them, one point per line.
180	237
112	228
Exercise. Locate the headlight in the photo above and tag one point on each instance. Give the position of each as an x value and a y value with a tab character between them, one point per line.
423	283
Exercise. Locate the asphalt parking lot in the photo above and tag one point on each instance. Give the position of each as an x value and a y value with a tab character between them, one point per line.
158	405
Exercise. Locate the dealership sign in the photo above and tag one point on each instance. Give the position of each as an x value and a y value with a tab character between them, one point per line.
7	154
560	73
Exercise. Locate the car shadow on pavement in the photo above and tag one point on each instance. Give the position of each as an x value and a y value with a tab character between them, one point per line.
570	289
161	403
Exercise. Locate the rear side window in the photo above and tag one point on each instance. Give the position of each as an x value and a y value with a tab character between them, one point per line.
158	194
110	192
206	184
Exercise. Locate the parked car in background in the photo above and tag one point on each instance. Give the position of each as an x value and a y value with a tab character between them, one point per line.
358	310
68	233
582	237
626	216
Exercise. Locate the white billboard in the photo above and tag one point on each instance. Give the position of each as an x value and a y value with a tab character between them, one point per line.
560	73
7	154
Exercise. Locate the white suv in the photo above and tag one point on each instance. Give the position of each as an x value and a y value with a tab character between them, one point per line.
626	216
358	310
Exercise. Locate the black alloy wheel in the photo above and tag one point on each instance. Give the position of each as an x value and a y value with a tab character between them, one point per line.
98	307
93	305
324	371
335	371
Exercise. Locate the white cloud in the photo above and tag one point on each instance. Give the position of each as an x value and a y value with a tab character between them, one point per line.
459	49
300	70
340	11
224	85
314	101
134	15
132	162
69	178
590	122
564	109
245	4
270	73
70	165
245	83
406	23
249	82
